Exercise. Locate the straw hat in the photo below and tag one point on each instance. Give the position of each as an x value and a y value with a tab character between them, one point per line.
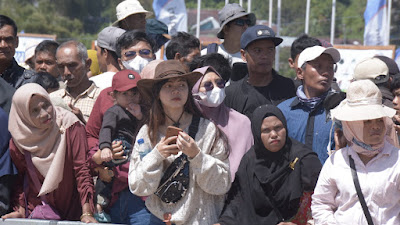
129	7
363	102
166	70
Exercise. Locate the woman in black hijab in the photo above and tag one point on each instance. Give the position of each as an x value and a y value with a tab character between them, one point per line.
275	177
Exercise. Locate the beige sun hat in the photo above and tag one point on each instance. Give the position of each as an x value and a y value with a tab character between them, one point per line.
363	102
129	7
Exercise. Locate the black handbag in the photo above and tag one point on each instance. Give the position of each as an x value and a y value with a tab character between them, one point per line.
175	181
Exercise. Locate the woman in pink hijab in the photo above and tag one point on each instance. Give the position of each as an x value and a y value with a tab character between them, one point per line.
209	94
49	145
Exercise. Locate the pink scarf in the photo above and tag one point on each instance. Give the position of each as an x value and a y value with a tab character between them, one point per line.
47	146
236	126
353	131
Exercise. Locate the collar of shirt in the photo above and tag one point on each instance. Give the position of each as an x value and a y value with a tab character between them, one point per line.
90	92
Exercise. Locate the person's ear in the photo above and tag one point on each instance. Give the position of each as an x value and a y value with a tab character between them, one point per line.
291	63
300	73
177	56
120	64
243	53
16	41
88	63
112	94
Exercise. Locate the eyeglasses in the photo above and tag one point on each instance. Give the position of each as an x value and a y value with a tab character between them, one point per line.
208	85
242	22
130	54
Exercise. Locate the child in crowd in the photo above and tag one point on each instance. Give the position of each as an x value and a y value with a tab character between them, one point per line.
120	123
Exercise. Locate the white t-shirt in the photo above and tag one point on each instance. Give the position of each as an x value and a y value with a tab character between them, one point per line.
103	80
234	58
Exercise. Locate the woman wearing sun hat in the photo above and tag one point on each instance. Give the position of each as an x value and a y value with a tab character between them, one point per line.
207	152
367	127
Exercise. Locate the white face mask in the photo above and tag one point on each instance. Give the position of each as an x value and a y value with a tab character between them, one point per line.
211	98
136	64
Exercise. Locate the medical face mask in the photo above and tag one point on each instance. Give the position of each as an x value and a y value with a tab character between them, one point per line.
136	64
212	98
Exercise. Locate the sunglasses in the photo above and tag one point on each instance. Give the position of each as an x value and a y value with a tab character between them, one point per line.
242	22
130	54
208	85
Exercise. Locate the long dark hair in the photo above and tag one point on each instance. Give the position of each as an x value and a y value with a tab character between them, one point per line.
157	114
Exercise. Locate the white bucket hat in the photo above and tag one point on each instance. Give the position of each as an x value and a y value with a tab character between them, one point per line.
363	102
129	7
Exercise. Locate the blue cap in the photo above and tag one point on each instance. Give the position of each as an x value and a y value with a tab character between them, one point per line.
258	32
140	141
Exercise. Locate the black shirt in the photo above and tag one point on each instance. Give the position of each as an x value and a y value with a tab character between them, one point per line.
245	98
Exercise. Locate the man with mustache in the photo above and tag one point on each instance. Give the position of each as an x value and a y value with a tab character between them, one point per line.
306	113
80	93
262	85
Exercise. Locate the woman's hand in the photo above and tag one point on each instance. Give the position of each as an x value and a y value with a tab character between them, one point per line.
165	148
16	214
105	174
106	155
187	145
88	219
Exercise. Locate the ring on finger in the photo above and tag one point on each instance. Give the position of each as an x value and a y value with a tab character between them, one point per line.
188	140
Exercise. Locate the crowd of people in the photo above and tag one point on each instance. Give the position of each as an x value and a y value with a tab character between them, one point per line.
207	137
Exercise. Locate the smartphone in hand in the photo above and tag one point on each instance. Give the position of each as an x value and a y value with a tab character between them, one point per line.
172	131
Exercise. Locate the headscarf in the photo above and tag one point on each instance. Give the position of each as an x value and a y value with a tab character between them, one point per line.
265	158
354	130
47	146
235	126
272	170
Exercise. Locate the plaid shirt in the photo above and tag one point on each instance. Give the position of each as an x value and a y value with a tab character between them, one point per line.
83	101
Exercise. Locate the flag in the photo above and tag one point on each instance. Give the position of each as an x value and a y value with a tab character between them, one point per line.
397	57
376	27
172	13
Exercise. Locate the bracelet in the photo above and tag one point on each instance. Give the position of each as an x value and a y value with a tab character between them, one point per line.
86	214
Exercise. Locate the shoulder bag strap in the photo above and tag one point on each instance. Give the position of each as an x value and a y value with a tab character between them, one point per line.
31	170
359	192
194	126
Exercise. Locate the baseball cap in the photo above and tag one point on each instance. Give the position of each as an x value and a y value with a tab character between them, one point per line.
390	63
231	12
154	26
372	69
314	52
258	32
125	80
107	38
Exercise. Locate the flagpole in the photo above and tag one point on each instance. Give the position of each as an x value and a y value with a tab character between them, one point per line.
198	18
241	3
278	31
270	13
307	16
333	21
249	6
389	21
226	2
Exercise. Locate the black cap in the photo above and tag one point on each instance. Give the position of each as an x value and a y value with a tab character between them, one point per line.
258	32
